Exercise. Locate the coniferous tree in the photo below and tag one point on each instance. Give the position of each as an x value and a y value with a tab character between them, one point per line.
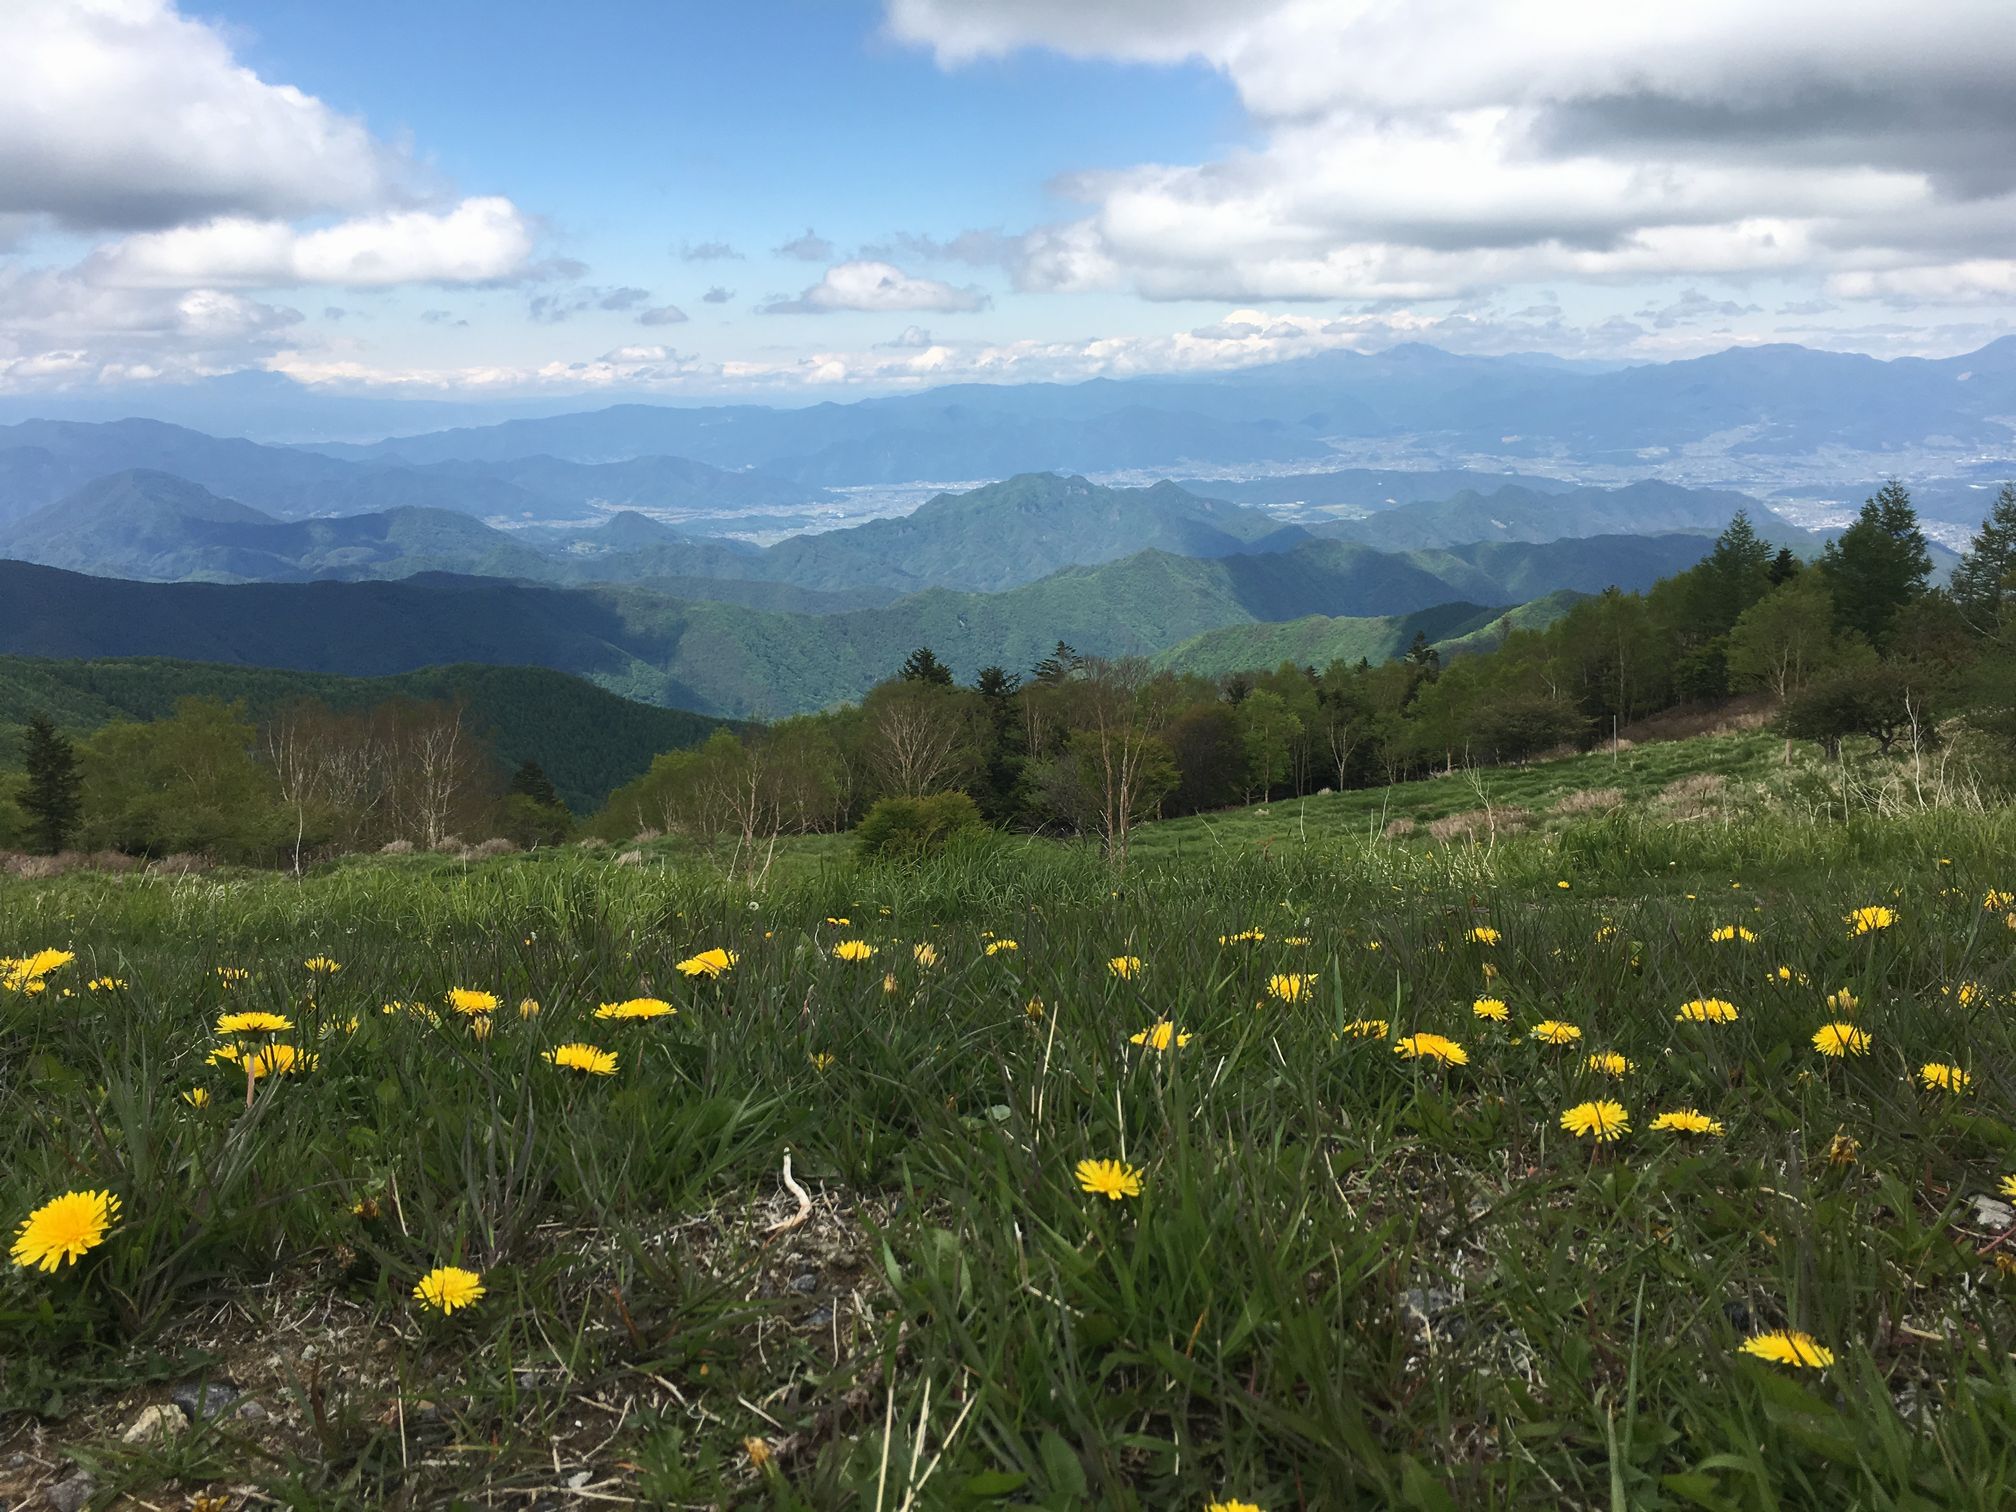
1984	584
923	666
1877	565
1784	567
531	781
54	796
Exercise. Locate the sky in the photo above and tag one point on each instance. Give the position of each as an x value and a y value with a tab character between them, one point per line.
791	200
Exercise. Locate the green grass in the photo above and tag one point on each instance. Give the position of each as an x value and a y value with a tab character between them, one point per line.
1350	1280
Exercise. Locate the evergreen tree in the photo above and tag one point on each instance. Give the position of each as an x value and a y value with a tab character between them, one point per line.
923	666
1421	654
1784	567
997	684
1984	584
54	796
1735	574
531	781
1877	565
1058	665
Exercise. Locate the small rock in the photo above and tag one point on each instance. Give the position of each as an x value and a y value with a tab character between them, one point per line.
156	1422
70	1493
819	1317
1428	1310
1993	1212
249	1411
807	1283
201	1399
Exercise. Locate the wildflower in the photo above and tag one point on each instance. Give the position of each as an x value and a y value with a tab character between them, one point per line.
709	963
2008	1186
1233	1506
1610	1063
1292	986
1688	1121
252	1023
853	950
1998	899
635	1008
447	1287
822	1060
758	1452
1563	885
197	1097
924	955
1484	934
466	1000
528	1008
223	1054
278	1060
231	976
996	947
1868	920
1725	933
1494	1009
888	981
1785	976
480	1026
1554	1032
1244	937
1842	1001
1436	1047
1967	994
1785	1346
1837	1040
1295	939
1160	1035
1842	1149
1602	1121
63	1229
581	1057
29	974
1034	1007
1109	1178
1125	967
1367	1028
843	923
1707	1011
321	965
1936	1075
106	984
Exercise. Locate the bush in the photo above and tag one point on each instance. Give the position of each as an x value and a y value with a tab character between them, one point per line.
907	829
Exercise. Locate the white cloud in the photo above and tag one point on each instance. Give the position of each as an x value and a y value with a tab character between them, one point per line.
1433	148
481	240
125	115
877	286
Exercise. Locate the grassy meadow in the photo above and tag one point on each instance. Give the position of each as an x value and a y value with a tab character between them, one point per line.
1335	1274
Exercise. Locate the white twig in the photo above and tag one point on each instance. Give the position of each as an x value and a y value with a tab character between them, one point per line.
804	1202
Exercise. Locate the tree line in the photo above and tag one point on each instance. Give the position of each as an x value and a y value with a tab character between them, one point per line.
1856	643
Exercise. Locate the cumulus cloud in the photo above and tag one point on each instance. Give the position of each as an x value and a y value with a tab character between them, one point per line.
718	295
1692	305
1444	147
877	286
912	338
708	251
121	115
662	315
481	240
623	299
978	249
811	247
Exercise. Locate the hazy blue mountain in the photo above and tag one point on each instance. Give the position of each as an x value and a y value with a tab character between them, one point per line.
1522	514
1369	488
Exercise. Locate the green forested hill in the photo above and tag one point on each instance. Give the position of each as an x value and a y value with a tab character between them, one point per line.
1317	640
729	659
589	740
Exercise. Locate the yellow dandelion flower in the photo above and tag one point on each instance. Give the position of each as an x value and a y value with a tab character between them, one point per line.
577	1056
1554	1032
1842	1001
1837	1040
1034	1007
1725	933
1998	899
843	923
1436	1047
106	984
1938	1076
278	1060
1707	1011
528	1008
1603	1120
1868	920
1688	1121
999	947
708	963
1484	934
1784	1346
635	1008
822	1060
468	1000
64	1229
1295	939
28	974
1244	937
480	1027
1610	1063
853	950
1785	976
197	1097
1842	1149
253	1023
321	965
1160	1035
1232	1506
1367	1029
1496	1010
1125	967
1967	994
1109	1178
924	955
758	1452
1292	986
889	981
231	976
447	1287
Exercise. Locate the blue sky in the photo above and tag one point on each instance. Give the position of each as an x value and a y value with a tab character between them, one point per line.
514	198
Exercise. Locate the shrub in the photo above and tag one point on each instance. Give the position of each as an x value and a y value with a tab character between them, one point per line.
1589	801
396	848
905	829
1400	829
